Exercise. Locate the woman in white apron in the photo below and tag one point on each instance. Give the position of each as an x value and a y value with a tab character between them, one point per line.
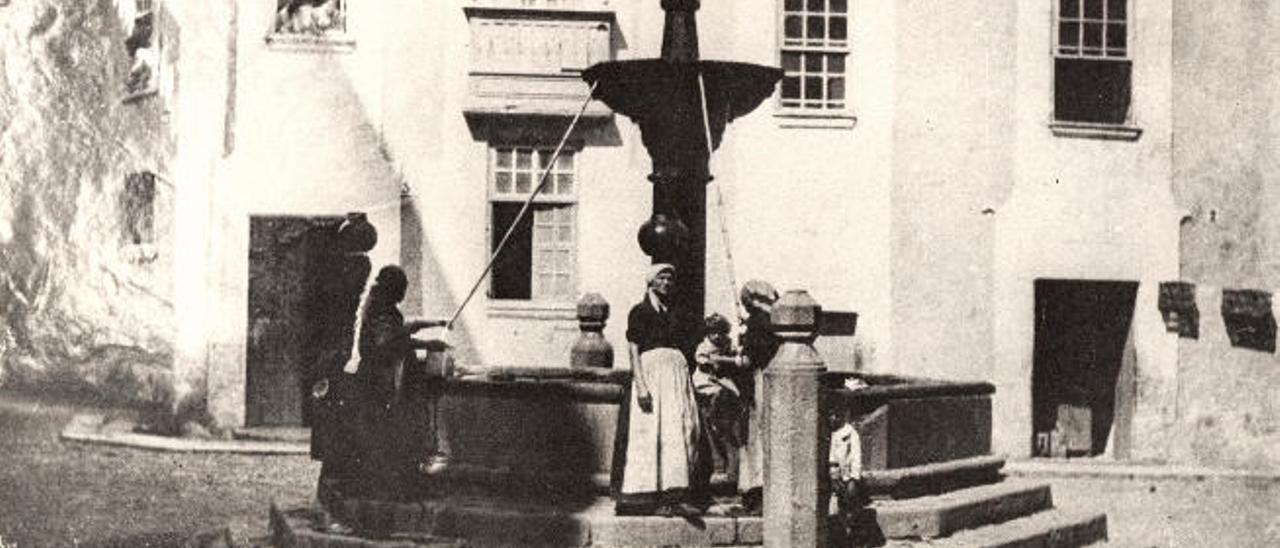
662	430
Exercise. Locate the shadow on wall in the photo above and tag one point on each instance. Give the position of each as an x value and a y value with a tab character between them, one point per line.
429	294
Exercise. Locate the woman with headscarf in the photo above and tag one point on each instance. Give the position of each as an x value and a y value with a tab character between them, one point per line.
392	445
758	345
662	430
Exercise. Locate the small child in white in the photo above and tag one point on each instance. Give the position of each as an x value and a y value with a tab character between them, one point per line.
845	460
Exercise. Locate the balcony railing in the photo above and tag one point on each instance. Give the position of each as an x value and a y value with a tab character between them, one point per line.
526	55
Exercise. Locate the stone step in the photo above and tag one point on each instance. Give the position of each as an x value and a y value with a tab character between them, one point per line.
934	478
485	522
495	522
941	515
1123	544
292	528
1054	528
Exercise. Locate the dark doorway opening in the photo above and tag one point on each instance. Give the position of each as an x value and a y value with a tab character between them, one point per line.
287	262
1083	366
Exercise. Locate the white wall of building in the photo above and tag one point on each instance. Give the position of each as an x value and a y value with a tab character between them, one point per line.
325	131
1086	209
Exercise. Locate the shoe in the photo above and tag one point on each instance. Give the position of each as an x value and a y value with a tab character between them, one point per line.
334	527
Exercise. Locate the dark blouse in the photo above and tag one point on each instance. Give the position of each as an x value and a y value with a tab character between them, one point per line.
758	343
384	341
649	329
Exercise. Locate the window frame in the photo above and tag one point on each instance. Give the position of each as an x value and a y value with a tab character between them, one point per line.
331	41
1081	19
1127	129
537	301
148	57
140	216
806	116
138	208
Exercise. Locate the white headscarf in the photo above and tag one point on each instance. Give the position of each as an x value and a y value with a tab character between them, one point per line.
353	364
656	269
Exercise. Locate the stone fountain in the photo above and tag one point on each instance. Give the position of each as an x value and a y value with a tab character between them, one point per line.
666	97
535	468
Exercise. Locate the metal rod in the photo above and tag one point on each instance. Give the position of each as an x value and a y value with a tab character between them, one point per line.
724	225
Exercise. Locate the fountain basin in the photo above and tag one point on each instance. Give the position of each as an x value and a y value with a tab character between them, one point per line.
909	421
665	99
643	87
552	429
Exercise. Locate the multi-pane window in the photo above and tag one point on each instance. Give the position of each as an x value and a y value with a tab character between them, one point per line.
815	45
538	261
1092	68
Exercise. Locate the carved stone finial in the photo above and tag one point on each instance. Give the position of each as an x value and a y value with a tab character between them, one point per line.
591	348
795	316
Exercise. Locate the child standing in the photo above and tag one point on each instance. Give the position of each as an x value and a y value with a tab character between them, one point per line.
845	461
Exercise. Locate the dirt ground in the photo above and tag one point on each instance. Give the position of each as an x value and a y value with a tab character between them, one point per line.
64	494
1179	513
54	493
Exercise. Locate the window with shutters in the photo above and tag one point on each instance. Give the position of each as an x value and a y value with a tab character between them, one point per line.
538	262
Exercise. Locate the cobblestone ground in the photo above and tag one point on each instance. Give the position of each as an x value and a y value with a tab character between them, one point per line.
54	493
62	494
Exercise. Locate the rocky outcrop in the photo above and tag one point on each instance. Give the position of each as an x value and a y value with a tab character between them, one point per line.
85	295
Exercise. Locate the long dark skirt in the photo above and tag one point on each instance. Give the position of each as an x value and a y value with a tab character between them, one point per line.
396	441
335	439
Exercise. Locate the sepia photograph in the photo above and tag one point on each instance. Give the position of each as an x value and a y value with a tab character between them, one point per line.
639	273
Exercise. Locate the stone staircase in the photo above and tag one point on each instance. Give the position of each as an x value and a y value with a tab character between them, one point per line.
961	503
965	503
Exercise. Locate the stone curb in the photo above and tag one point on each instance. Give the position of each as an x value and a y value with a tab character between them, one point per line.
88	428
1121	470
495	522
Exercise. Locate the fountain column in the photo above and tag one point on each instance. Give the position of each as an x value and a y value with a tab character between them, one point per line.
680	160
682	105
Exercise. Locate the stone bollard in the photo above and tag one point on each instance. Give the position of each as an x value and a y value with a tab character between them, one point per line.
591	349
795	481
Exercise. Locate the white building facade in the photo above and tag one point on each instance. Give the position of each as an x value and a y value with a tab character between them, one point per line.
986	184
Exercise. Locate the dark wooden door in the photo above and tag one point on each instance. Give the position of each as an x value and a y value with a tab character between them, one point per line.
283	255
1081	331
